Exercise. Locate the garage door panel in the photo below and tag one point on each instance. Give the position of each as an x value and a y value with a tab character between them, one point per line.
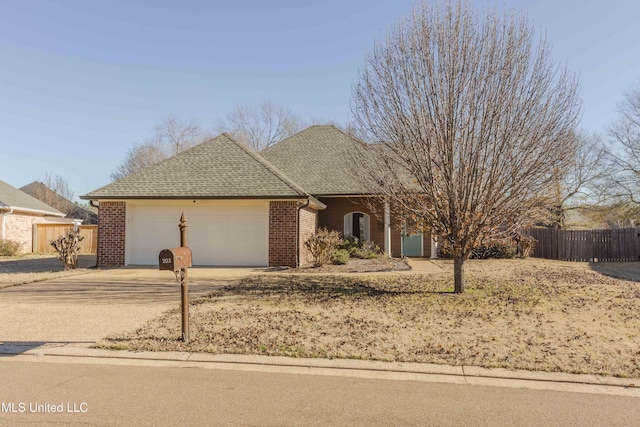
218	233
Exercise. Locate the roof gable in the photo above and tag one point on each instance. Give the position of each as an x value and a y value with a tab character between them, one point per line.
319	158
72	210
12	198
218	168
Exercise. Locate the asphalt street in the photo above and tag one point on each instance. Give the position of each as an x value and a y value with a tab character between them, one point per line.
110	395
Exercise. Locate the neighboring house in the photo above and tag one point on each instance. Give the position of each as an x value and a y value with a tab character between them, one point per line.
18	214
242	208
71	210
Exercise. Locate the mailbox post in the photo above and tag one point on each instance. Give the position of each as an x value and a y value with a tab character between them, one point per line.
178	260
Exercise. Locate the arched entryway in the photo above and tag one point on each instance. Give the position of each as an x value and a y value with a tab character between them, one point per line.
357	224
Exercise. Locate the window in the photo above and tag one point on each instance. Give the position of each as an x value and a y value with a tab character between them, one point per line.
356	224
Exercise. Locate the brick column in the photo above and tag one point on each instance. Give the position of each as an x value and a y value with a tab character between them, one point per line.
308	226
112	220
283	231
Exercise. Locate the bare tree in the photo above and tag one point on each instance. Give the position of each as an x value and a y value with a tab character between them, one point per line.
175	135
469	121
581	184
261	125
54	191
59	185
139	157
624	149
170	136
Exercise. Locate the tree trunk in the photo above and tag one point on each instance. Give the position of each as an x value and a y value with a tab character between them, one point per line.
458	274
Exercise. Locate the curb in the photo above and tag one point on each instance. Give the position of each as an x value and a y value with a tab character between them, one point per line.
473	375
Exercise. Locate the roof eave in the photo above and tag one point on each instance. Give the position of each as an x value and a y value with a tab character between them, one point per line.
125	197
32	211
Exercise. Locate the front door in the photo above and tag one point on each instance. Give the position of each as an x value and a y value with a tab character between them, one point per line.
411	243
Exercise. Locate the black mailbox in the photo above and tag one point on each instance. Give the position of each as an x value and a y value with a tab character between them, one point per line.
175	258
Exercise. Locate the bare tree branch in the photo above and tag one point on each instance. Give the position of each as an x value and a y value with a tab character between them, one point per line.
261	125
170	137
471	122
59	185
624	149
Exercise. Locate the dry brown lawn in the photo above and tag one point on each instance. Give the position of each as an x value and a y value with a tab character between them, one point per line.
518	314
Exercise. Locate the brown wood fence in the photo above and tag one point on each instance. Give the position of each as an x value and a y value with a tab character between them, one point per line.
44	233
587	245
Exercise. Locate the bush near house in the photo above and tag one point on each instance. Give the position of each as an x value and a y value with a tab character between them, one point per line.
327	247
68	248
9	248
359	249
322	245
340	257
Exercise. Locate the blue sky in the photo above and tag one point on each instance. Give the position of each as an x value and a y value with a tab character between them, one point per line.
80	81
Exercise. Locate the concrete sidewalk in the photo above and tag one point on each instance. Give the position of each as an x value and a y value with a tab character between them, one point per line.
66	352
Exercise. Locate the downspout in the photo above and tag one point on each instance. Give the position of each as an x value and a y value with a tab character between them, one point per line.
387	229
308	202
9	212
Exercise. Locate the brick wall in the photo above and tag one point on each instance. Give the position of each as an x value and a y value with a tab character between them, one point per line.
283	230
308	226
18	226
332	218
112	217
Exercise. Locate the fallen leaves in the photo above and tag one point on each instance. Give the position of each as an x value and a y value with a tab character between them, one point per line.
552	318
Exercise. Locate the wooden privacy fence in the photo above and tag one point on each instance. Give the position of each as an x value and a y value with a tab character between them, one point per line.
587	245
44	233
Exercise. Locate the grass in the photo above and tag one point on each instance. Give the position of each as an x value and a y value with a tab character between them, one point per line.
522	315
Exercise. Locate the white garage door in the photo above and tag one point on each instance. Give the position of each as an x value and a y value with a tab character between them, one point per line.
220	233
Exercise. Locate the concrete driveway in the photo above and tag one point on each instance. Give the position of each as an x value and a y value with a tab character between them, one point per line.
85	308
82	309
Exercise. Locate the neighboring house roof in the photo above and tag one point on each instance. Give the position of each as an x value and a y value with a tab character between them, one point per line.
218	168
12	198
71	210
320	159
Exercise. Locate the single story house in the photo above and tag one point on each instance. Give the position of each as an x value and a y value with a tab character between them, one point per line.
243	208
71	210
19	212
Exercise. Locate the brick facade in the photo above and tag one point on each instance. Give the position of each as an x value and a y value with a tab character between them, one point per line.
308	223
112	221
332	218
283	233
18	226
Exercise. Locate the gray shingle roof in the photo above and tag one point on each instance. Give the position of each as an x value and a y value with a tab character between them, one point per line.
218	168
319	159
12	198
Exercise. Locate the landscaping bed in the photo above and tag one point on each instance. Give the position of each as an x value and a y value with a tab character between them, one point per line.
517	314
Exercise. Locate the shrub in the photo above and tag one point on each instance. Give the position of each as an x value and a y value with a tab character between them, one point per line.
349	244
525	246
321	245
10	248
491	249
360	249
340	257
68	248
369	250
495	249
